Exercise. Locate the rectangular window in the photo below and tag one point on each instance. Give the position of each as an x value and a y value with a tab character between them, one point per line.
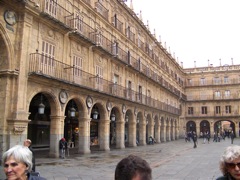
190	110
78	22
228	109
218	109
189	81
226	80
51	7
217	94
216	80
78	65
202	81
204	109
47	60
227	93
99	74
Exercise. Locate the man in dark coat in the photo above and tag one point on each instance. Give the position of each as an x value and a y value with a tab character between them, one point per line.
194	137
63	147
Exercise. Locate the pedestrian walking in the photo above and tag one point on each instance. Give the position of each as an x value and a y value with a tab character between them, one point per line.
63	147
194	137
232	137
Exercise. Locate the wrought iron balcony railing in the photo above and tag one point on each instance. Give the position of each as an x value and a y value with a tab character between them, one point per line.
50	68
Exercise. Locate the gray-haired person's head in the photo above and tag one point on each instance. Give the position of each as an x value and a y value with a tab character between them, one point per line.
19	153
230	154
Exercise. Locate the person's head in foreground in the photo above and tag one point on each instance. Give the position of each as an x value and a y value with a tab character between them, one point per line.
17	162
133	168
27	142
230	162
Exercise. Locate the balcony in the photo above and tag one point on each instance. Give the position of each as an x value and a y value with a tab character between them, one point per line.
101	10
117	24
52	10
211	97
47	67
213	114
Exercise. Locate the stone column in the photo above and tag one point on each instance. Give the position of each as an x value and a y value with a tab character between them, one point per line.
236	128
173	132
157	132
56	133
163	133
120	135
168	132
132	135
84	133
211	128
103	131
150	129
142	133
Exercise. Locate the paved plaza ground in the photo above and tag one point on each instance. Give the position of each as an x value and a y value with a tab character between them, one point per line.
175	160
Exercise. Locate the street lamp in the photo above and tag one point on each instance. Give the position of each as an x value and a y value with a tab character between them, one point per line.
95	114
72	111
41	107
113	117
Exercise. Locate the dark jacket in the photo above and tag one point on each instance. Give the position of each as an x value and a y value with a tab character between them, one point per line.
226	177
62	144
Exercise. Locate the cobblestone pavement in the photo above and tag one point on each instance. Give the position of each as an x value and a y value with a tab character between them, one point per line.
175	160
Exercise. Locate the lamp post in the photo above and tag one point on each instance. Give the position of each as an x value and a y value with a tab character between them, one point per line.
95	114
41	107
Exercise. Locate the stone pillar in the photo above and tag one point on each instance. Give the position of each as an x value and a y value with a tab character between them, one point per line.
173	132
142	133
84	133
168	132
150	129
120	135
236	128
157	132
163	133
103	130
211	128
132	135
56	133
198	129
17	132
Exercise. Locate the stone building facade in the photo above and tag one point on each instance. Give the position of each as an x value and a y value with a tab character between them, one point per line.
92	72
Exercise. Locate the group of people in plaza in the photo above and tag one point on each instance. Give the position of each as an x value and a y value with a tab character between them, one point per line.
192	136
19	163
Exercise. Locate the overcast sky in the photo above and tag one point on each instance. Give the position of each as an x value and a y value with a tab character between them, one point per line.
195	30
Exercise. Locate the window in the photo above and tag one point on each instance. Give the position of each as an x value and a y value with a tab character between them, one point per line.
51	7
99	74
202	81
225	80
48	52
228	109
227	93
216	80
77	64
116	79
218	109
190	110
217	94
78	22
204	109
140	93
189	81
47	60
